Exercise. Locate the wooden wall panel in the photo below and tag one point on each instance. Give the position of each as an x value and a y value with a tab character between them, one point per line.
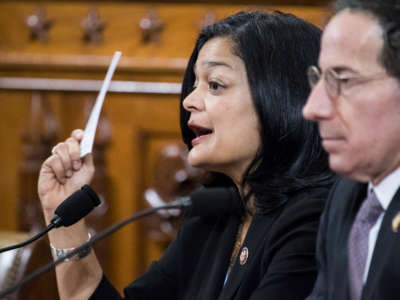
134	133
136	136
122	31
13	108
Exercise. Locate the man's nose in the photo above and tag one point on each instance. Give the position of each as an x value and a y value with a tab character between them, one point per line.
319	105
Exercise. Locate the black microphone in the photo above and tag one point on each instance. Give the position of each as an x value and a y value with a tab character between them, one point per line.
70	211
213	202
75	207
203	202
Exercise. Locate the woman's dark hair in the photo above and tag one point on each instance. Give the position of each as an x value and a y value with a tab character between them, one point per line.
276	49
387	13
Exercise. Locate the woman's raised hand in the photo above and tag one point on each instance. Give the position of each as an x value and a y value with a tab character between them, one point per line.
63	173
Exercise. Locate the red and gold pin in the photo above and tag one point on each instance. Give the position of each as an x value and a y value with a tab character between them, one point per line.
396	222
244	254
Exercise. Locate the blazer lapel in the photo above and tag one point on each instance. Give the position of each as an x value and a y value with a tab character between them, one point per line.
386	239
254	241
222	247
353	197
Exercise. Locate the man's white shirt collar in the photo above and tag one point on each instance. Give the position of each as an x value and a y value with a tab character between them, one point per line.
387	188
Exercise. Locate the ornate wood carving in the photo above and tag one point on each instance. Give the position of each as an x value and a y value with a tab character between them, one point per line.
39	136
151	27
173	178
39	25
93	27
209	19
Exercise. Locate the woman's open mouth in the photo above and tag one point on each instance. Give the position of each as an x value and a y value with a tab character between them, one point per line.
200	133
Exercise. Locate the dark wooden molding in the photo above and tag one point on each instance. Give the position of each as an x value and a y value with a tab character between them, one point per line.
213	2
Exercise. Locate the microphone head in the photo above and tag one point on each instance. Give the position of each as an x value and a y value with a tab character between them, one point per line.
77	206
214	202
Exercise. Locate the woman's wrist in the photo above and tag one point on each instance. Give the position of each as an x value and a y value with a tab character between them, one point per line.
69	237
61	252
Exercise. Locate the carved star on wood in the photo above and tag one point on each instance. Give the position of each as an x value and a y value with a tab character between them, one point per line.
39	25
209	19
151	27
93	27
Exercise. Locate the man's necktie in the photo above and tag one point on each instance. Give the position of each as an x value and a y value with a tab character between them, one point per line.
358	242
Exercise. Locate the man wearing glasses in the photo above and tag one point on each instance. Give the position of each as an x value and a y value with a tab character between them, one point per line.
355	99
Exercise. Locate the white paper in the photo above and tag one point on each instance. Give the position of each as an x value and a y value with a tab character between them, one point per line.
90	130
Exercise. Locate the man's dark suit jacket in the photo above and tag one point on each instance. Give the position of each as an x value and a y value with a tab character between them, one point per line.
383	281
281	263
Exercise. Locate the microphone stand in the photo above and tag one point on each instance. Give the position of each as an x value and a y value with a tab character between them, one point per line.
184	202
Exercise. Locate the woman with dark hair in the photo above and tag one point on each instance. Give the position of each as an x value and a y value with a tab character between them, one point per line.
276	51
242	95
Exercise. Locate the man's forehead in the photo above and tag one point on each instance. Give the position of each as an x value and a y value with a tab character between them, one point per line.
352	39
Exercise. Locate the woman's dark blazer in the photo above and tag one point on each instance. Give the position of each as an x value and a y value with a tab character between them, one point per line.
280	265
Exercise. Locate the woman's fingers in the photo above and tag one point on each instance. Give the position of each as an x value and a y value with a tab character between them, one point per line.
77	134
66	160
75	153
68	153
62	152
56	165
64	172
89	163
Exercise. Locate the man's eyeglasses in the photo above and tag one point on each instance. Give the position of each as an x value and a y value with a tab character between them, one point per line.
336	84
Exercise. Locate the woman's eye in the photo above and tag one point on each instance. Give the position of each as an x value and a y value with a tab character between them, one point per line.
214	86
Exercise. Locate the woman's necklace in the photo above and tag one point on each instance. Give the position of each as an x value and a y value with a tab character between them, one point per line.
242	231
236	246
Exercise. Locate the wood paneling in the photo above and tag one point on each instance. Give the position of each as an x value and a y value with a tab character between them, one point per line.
122	31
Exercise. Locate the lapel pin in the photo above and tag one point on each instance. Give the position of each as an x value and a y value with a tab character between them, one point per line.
244	254
396	222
